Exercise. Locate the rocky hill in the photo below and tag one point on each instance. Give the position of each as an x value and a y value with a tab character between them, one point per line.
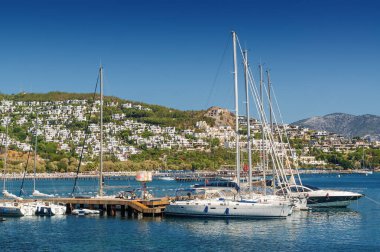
220	116
345	124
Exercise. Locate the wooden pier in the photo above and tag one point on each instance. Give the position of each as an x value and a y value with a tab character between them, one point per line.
135	207
110	206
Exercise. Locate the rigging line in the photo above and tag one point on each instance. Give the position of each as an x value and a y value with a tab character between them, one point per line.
85	136
287	142
217	72
262	114
374	201
25	170
6	150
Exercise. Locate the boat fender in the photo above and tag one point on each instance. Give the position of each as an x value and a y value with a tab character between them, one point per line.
227	212
327	195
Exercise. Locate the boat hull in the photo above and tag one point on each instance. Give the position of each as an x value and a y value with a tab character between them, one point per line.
333	201
11	211
44	211
227	210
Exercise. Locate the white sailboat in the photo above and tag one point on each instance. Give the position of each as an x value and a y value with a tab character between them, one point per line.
10	208
304	197
5	192
35	192
213	204
100	194
271	155
41	207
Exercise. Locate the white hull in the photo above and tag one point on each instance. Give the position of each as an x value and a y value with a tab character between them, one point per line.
214	208
84	211
11	209
325	198
40	208
341	203
165	178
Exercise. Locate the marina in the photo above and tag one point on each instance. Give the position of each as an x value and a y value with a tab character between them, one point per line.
190	126
359	221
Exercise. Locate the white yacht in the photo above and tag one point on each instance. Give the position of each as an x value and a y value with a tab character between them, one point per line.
15	209
324	197
11	209
48	209
211	206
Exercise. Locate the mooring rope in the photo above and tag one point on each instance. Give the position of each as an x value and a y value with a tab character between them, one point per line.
374	201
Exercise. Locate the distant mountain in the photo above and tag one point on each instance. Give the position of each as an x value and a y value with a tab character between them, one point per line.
345	124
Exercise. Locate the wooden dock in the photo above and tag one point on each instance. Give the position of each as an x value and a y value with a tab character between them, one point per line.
110	206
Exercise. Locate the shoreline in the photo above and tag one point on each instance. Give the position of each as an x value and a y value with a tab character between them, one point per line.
72	175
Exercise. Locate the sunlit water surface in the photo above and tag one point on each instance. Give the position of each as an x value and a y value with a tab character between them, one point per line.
356	228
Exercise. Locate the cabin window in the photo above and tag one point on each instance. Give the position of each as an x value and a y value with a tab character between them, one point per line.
212	207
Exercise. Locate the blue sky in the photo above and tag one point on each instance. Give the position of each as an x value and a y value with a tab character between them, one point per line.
324	56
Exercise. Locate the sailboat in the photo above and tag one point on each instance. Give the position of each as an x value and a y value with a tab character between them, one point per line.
100	193
5	192
364	169
10	208
35	192
40	207
213	203
303	196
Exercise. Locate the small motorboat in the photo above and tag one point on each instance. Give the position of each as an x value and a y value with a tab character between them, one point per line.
84	211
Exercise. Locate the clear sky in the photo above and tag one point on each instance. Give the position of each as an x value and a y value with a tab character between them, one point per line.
323	55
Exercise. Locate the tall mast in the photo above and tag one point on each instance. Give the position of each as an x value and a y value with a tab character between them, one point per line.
271	124
270	101
6	154
35	154
262	128
236	110
101	132
248	120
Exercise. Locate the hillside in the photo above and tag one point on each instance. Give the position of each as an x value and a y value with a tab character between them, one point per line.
344	124
154	114
221	117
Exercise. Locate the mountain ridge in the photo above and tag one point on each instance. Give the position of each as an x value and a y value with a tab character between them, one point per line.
348	125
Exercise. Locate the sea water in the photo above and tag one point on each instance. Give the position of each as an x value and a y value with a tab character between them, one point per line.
356	228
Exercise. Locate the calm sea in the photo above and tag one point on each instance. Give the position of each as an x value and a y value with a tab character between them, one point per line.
356	228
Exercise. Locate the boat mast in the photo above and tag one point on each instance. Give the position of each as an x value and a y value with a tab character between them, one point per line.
263	154
101	132
35	154
236	110
248	120
5	155
271	124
